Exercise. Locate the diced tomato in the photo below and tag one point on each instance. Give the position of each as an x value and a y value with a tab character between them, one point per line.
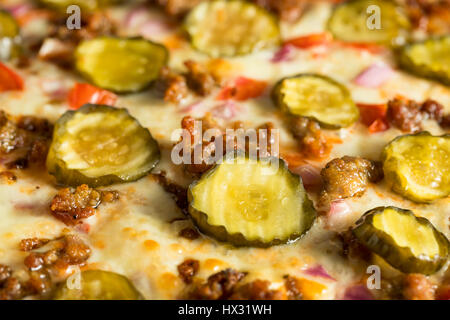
374	116
9	80
443	293
243	89
83	93
311	40
370	47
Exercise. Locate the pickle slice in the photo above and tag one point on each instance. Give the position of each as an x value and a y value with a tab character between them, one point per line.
250	202
417	166
430	58
231	28
98	285
408	243
9	36
317	97
99	145
120	65
369	21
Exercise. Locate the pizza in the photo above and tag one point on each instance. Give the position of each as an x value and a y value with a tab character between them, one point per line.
178	149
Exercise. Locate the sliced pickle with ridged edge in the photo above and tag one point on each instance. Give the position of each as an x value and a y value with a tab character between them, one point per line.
251	202
369	21
430	59
9	36
98	285
100	145
231	28
417	166
409	243
120	64
318	97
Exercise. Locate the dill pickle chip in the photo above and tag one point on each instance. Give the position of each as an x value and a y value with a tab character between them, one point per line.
120	64
9	36
99	145
417	166
318	97
409	243
98	285
231	28
251	202
430	59
369	21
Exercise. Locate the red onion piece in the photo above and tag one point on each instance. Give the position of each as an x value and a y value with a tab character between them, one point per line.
319	271
374	76
310	175
285	53
191	107
56	89
19	10
357	292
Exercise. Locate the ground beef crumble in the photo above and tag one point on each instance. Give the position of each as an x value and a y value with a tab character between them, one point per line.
70	206
348	177
313	141
257	290
189	233
188	269
219	286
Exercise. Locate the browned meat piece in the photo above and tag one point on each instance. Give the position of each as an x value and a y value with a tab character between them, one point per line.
75	250
11	137
57	51
404	114
418	287
219	286
109	196
433	110
12	289
445	123
39	126
313	141
40	282
5	273
288	10
188	269
257	290
348	177
38	152
292	288
189	233
8	177
178	192
32	243
173	85
432	16
352	248
34	261
198	78
71	206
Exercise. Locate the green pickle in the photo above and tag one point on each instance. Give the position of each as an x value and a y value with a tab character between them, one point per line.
430	59
100	145
408	243
9	36
251	202
318	97
85	5
120	64
231	28
98	285
369	21
417	166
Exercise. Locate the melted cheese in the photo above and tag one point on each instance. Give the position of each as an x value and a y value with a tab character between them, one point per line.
135	236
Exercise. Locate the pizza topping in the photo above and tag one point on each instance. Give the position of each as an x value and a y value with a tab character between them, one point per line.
428	59
230	28
188	269
189	233
429	15
83	93
404	114
409	243
374	76
313	142
417	287
257	290
99	285
9	36
317	97
219	286
303	289
198	78
288	10
8	177
349	22
243	89
9	80
119	64
310	40
416	166
173	85
348	177
260	205
70	206
32	243
120	150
